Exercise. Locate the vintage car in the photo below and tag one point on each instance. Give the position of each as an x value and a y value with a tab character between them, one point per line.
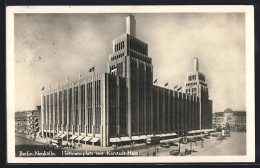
174	152
56	142
206	137
164	145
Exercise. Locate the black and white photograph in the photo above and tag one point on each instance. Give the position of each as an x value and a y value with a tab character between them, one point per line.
126	84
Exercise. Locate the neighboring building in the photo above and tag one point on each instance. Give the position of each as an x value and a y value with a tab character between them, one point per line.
235	120
122	105
34	122
21	123
28	122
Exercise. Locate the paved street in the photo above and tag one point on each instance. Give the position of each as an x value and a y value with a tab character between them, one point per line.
27	147
233	145
20	139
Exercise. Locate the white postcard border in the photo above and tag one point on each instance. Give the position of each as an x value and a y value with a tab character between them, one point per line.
250	88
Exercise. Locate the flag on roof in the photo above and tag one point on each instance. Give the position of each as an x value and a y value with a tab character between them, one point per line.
92	69
179	88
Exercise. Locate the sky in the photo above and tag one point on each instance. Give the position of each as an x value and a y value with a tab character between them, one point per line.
50	47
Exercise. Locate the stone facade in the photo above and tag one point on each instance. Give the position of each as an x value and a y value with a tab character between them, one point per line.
122	104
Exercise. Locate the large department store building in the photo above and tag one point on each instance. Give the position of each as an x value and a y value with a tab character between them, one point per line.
123	105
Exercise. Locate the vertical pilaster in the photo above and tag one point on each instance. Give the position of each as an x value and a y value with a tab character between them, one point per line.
86	107
93	106
186	112
145	98
177	99
173	112
62	111
58	108
50	111
158	110
79	107
102	105
42	112
190	112
68	111
128	80
46	113
163	109
151	107
73	109
200	107
137	97
106	112
117	105
169	111
53	113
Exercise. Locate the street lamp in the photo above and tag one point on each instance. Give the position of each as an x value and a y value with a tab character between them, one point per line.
190	146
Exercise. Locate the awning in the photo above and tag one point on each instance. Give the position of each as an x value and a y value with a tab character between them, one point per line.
86	139
199	131
95	139
73	137
138	137
163	135
173	134
210	130
54	141
125	139
113	140
63	135
80	138
143	137
192	132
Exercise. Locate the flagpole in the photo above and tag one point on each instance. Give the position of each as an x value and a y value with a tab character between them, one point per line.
94	70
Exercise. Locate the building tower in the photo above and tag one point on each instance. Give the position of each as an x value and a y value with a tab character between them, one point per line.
130	60
196	85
